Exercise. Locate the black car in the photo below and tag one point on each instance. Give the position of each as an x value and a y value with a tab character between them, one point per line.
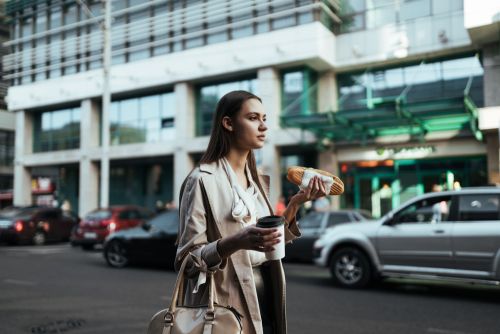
151	242
314	224
35	224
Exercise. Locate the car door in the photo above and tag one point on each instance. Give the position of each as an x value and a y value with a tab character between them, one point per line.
164	229
311	226
418	236
157	239
476	233
128	218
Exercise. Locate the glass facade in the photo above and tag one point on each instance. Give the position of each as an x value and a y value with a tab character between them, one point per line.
208	96
7	148
146	119
369	14
56	130
299	92
141	182
423	82
60	38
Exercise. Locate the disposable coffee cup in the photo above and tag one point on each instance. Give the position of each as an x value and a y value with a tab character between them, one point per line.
277	222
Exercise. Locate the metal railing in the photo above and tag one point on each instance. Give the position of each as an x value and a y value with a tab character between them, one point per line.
154	31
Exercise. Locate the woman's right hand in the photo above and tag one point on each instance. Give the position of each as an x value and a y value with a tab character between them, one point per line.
250	238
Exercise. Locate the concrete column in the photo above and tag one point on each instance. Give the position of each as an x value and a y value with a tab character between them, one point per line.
327	91
23	145
268	87
491	82
328	162
88	197
185	129
89	125
491	78
492	151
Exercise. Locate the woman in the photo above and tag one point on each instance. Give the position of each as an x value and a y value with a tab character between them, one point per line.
220	202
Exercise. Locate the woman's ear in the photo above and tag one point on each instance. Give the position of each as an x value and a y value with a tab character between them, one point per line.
227	123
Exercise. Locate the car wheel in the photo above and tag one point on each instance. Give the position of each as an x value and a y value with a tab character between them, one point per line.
39	238
115	254
350	268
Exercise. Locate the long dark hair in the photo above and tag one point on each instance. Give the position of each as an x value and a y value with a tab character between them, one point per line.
220	138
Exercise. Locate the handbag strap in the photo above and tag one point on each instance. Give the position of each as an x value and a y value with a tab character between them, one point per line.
178	283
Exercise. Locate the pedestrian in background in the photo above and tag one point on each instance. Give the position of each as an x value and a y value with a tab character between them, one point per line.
220	202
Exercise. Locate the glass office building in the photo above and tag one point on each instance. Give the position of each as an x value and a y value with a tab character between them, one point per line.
393	96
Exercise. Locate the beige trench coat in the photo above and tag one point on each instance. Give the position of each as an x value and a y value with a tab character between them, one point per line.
205	217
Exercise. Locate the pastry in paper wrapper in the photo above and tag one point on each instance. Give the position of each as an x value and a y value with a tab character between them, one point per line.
302	175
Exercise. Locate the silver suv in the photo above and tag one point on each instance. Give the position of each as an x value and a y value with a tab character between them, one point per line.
452	235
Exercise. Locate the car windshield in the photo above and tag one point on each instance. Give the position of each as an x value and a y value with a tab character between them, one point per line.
311	220
16	212
166	221
98	215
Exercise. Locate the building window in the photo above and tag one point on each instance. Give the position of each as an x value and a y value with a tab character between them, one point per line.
146	119
362	14
57	130
209	95
71	40
7	148
425	82
299	92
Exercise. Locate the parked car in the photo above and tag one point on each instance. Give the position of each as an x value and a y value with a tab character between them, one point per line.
98	224
34	224
314	224
152	242
452	235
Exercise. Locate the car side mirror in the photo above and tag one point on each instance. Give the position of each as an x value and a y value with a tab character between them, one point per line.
146	226
389	220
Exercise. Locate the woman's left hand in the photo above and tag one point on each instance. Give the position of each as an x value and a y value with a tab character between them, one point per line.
314	190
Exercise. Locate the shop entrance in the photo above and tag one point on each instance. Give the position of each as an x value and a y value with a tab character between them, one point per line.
382	186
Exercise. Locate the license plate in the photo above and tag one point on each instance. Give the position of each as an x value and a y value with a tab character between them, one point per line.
90	235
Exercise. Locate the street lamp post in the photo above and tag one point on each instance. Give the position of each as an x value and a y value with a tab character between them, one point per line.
106	103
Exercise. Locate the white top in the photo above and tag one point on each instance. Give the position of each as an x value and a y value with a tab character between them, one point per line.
248	205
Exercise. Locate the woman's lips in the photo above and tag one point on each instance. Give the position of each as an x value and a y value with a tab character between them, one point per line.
262	137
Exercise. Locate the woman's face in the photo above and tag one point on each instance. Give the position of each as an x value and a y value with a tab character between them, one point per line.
249	125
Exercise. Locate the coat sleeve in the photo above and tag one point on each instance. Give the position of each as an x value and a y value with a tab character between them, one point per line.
292	230
193	239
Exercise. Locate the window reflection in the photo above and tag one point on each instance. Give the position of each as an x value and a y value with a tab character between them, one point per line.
140	30
139	120
57	130
369	14
209	95
299	92
6	148
428	81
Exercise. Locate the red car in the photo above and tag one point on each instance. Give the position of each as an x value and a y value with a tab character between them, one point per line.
36	225
98	224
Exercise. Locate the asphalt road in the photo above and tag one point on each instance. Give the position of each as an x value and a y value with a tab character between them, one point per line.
59	289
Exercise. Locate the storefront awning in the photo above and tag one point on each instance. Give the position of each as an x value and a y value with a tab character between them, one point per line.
391	116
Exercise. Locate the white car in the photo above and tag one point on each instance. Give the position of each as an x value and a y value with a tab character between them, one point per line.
452	235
